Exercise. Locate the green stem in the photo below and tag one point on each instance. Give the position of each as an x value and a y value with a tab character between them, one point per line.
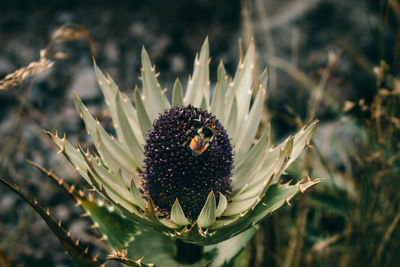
188	253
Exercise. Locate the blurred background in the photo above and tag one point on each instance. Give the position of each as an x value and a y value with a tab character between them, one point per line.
335	60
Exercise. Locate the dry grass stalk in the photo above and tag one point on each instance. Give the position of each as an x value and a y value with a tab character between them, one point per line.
66	33
71	32
35	67
386	238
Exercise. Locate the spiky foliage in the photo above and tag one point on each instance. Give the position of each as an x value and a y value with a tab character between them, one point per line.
72	248
116	170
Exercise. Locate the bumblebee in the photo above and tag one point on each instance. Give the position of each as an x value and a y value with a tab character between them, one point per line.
201	141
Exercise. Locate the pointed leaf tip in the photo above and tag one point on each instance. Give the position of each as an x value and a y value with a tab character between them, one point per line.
222	204
198	85
207	214
177	214
177	94
156	102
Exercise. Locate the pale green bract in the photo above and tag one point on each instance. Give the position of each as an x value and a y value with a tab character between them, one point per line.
114	170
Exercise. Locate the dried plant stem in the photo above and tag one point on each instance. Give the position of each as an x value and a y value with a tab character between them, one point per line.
301	222
66	33
293	71
293	253
318	91
248	34
35	67
358	59
289	251
246	21
385	240
269	43
345	256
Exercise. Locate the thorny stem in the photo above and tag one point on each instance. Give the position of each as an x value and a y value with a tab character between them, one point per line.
188	253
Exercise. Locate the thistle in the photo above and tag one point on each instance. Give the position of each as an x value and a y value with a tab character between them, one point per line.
188	176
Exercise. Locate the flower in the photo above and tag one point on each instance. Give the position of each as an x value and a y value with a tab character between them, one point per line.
188	155
190	169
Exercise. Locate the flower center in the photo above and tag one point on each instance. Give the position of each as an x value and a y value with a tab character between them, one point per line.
188	155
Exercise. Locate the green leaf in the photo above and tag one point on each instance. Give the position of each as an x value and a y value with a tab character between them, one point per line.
106	177
115	157
113	153
251	160
204	104
240	87
207	214
103	180
302	139
229	249
237	207
271	160
74	250
120	257
132	117
110	89
128	210
199	85
151	247
177	214
264	80
154	99
138	200
72	154
218	99
222	204
177	94
116	229
232	119
130	138
144	119
250	124
162	251
271	174
109	92
228	227
276	196
274	161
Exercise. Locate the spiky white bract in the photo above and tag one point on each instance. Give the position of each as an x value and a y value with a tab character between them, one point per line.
256	192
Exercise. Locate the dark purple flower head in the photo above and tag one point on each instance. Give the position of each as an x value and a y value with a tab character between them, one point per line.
188	155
